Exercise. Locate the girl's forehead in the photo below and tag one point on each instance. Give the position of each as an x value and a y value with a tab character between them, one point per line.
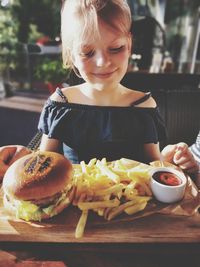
108	36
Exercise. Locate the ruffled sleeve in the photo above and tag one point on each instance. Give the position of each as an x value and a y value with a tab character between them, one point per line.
155	130
51	117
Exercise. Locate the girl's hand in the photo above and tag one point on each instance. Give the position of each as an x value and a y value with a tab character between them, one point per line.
9	154
180	155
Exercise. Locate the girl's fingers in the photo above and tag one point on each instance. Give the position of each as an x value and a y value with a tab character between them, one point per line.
9	154
6	153
182	147
3	169
181	150
184	158
168	153
187	165
20	153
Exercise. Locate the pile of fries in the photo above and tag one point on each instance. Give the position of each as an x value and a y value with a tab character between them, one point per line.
110	188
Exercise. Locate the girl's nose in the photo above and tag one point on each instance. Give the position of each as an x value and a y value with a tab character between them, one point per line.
102	59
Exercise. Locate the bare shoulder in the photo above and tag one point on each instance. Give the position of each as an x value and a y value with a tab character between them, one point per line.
143	99
61	95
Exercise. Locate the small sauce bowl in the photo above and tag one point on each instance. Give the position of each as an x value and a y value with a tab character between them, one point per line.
167	184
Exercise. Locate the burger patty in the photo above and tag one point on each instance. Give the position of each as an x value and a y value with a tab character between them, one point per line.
45	202
48	201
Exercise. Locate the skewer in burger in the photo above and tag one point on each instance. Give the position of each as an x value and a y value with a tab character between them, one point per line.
38	186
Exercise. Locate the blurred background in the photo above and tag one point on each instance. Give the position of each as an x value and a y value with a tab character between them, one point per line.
165	60
165	39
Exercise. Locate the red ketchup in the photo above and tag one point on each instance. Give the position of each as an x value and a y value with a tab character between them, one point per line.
167	178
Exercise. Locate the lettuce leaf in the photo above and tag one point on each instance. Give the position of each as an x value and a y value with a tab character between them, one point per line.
28	211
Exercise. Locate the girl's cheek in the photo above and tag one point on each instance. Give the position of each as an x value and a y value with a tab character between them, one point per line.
83	65
80	64
123	55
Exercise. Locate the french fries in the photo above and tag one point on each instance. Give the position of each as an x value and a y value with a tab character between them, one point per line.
110	188
99	204
81	224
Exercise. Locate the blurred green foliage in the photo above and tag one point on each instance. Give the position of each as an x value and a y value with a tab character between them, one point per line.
45	14
22	22
8	39
51	70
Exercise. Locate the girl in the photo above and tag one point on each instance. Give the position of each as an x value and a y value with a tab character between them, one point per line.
100	118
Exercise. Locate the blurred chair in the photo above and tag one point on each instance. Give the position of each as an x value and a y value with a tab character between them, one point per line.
182	116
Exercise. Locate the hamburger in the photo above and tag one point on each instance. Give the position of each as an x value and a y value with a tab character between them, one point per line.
38	186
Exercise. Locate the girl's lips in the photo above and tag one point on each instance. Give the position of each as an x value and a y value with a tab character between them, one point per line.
103	75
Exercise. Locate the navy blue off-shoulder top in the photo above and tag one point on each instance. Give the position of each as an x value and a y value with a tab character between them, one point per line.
101	131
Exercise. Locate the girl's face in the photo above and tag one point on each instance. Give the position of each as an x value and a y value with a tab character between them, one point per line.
103	61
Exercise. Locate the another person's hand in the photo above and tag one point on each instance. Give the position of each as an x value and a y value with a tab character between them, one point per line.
9	154
180	155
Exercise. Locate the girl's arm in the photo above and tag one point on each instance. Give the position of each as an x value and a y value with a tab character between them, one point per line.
152	152
49	144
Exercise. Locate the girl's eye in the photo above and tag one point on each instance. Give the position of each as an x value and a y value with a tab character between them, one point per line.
117	49
87	54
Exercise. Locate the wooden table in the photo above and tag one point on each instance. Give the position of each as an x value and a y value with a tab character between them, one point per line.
148	241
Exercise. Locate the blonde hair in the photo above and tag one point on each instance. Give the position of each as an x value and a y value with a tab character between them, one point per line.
79	21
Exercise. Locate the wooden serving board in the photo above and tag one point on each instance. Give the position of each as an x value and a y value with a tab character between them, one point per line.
124	229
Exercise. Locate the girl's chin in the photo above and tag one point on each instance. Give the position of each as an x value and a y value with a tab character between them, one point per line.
101	86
